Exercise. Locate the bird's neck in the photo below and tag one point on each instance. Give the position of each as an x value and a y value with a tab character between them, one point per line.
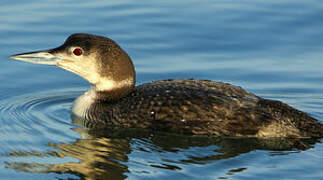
84	102
110	90
96	95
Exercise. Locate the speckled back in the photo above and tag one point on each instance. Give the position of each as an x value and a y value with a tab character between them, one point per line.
196	107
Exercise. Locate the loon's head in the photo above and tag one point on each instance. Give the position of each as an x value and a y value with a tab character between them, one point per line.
98	59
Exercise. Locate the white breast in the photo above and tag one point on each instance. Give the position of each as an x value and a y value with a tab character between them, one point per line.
83	103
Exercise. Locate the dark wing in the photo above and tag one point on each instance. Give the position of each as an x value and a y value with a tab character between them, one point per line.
191	106
204	107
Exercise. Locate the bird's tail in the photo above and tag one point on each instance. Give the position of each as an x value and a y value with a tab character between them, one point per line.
306	125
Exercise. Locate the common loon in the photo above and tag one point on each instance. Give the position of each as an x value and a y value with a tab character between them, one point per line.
185	106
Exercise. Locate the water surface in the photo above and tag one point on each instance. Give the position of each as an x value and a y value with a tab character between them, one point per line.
271	48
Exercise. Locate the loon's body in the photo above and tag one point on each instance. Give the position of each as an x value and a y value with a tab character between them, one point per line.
178	106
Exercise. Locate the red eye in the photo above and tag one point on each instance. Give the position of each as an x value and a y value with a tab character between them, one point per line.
77	51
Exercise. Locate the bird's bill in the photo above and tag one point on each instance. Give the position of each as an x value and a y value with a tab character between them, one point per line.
38	57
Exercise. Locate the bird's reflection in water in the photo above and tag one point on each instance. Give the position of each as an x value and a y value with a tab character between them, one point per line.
111	153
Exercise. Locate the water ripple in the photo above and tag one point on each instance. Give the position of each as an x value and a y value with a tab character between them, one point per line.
37	118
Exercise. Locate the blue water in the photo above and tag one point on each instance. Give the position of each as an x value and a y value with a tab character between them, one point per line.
271	48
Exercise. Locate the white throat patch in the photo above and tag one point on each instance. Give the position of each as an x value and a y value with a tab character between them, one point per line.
84	102
107	84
